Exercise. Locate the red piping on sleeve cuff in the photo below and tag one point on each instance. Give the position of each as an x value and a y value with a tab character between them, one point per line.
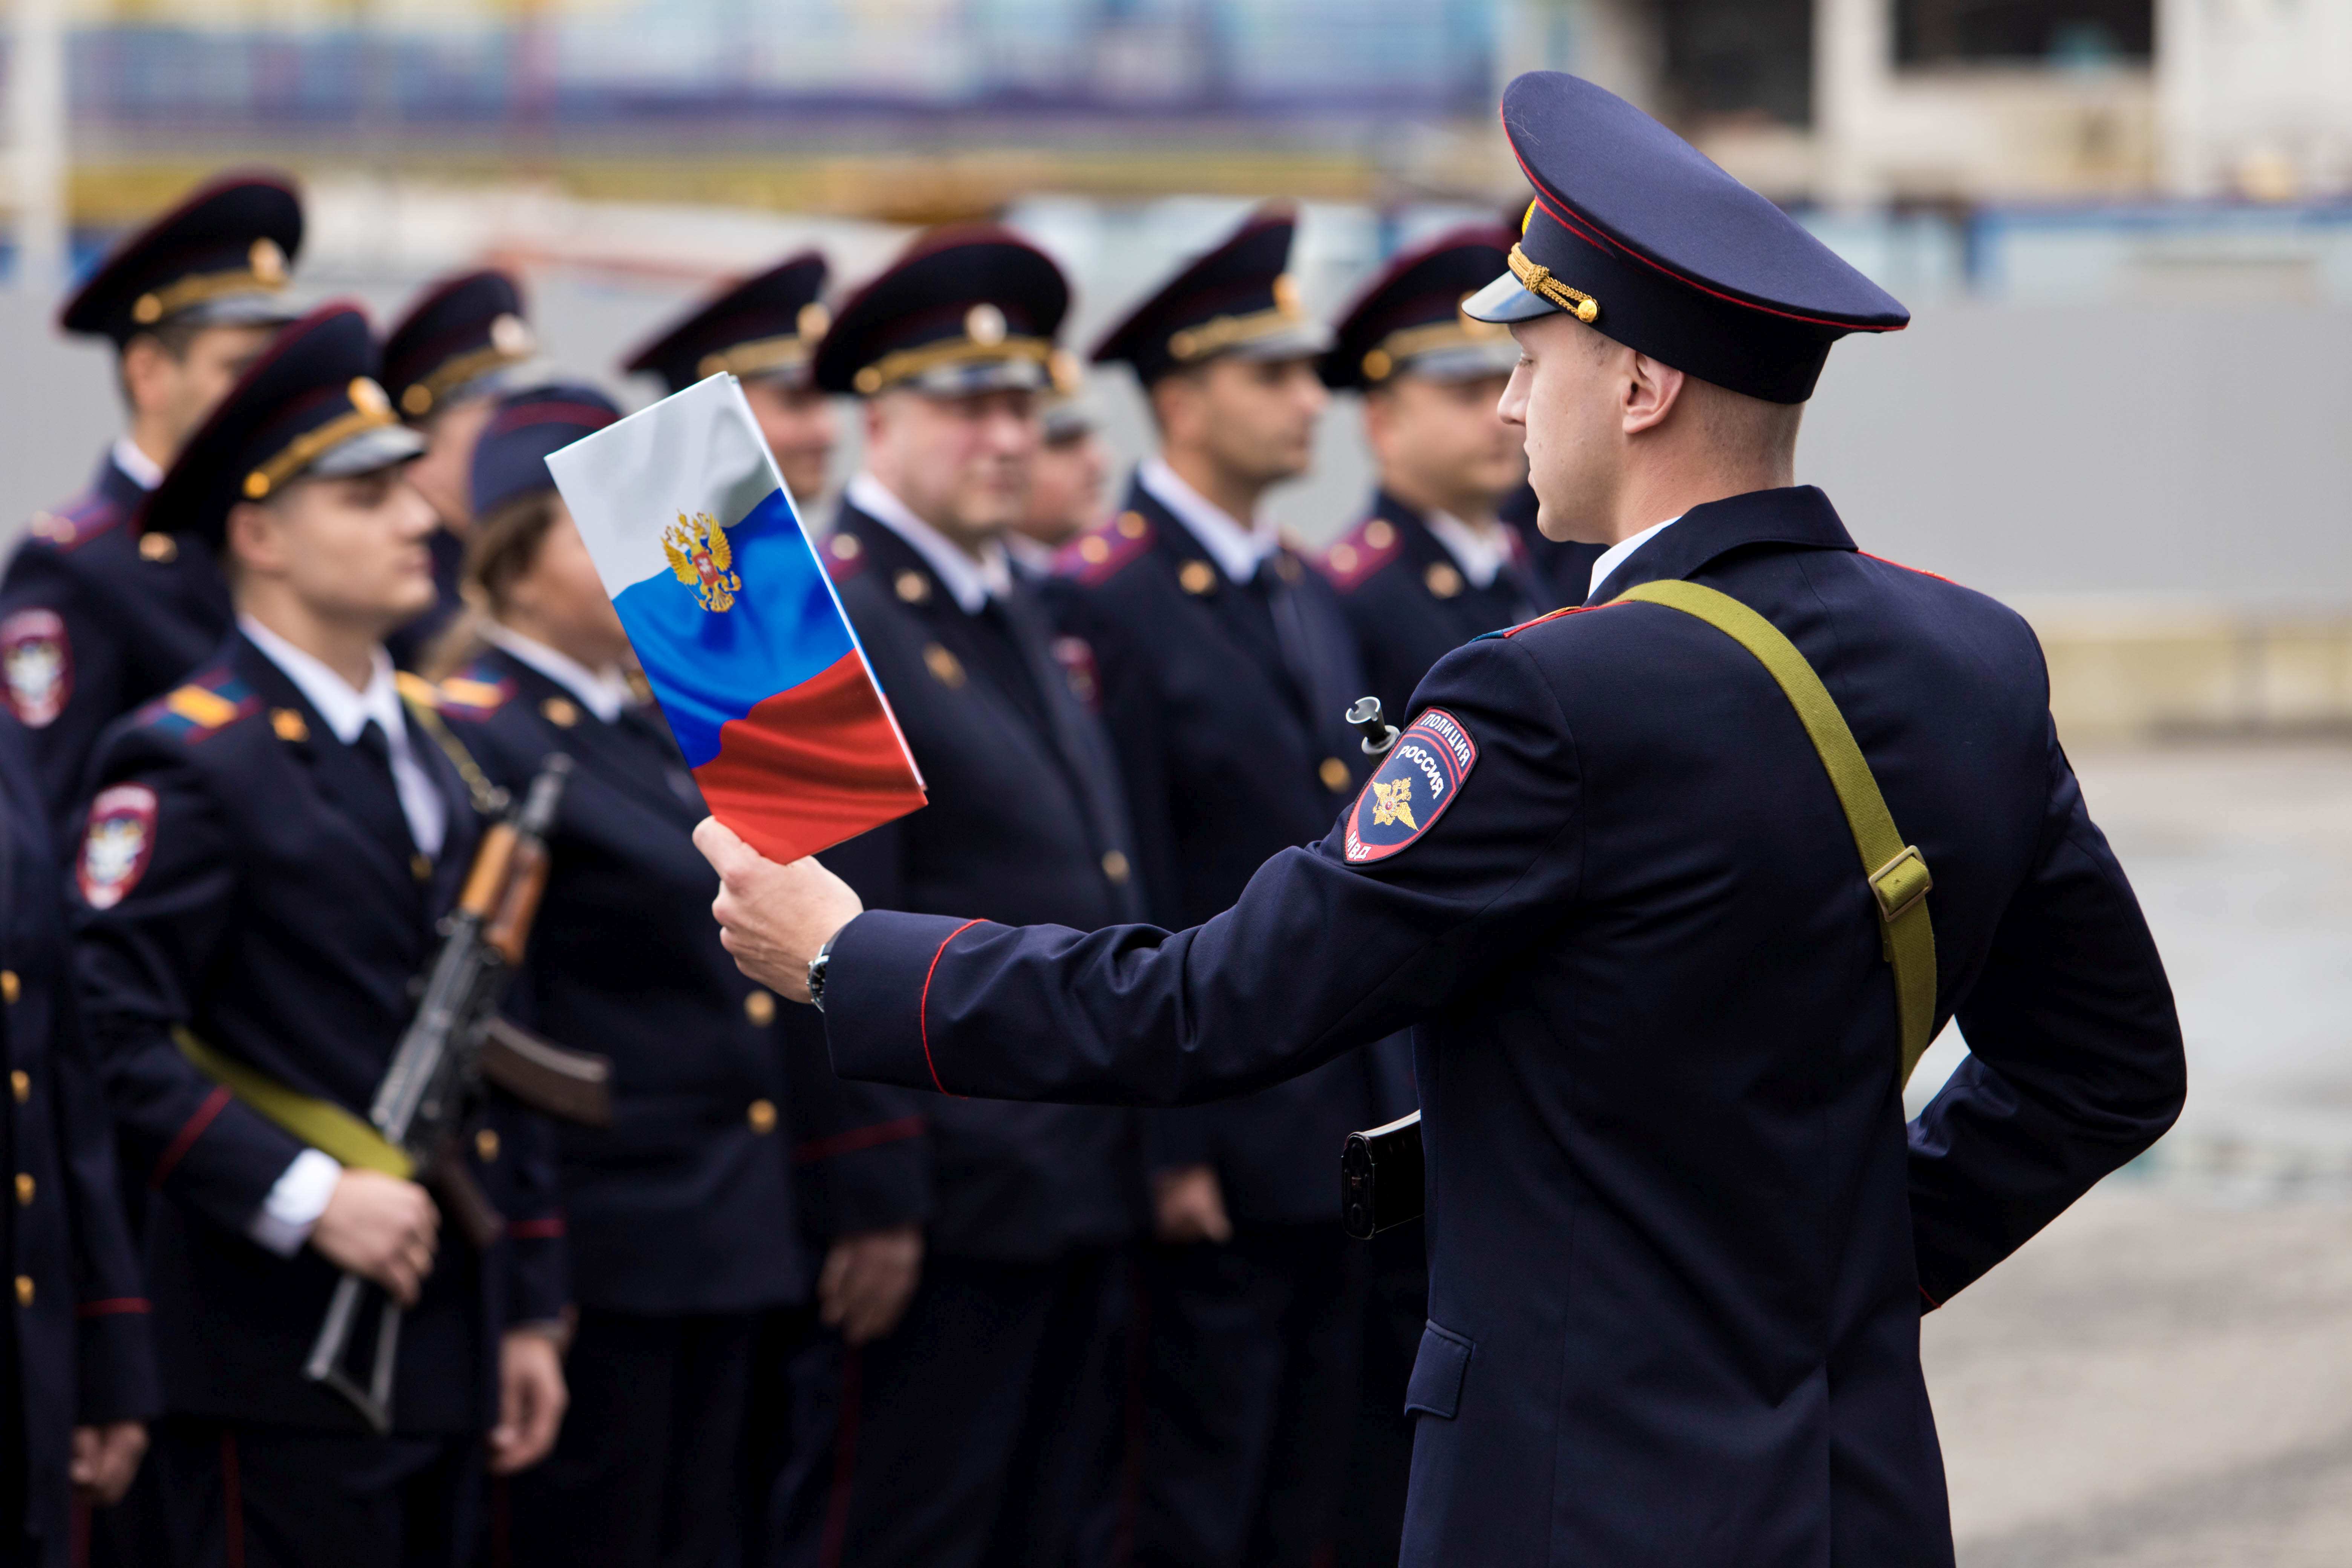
111	1306
1932	1303
923	1008
536	1229
857	1139
190	1131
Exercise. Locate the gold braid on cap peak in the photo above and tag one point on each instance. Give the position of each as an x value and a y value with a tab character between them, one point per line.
1537	279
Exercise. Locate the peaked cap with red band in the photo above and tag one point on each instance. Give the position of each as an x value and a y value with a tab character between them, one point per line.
1636	233
511	458
1237	299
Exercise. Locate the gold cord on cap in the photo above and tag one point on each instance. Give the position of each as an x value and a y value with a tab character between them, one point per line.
370	409
1537	279
263	273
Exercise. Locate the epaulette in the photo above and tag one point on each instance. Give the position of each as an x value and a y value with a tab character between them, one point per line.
1373	545
844	557
207	703
1523	625
475	692
1097	554
78	524
1915	571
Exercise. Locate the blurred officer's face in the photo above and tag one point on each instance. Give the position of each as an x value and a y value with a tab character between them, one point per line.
961	464
173	383
444	476
349	552
1443	443
559	600
1066	491
1254	419
798	421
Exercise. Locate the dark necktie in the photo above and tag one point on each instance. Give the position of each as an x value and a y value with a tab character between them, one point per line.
998	643
379	803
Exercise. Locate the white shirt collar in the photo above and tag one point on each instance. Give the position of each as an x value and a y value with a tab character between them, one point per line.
1615	556
137	466
1239	550
602	692
347	713
1480	552
970	582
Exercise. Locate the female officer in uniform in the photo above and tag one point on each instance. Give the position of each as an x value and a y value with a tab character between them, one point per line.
680	1215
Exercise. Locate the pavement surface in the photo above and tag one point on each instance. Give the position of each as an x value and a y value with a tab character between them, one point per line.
2163	1379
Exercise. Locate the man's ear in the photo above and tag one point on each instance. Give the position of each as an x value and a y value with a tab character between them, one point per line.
251	538
1651	391
142	363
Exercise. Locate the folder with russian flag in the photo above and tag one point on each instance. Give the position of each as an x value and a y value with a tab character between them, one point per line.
736	623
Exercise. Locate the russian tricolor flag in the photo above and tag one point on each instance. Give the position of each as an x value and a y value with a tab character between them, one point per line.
736	623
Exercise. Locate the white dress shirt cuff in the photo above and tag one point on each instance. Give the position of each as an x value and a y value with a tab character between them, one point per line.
283	1222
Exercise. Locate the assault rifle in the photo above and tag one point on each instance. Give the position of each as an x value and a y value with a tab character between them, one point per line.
456	1042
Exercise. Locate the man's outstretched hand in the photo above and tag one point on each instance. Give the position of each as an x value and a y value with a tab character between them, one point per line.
773	918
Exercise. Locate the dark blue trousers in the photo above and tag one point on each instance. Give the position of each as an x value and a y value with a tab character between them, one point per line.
979	1435
249	1495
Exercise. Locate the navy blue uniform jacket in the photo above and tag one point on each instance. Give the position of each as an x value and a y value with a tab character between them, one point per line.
1232	737
125	622
269	912
1025	824
82	1348
686	1204
1409	605
1679	1239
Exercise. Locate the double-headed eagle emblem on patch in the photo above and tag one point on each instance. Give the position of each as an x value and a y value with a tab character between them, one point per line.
1394	802
702	558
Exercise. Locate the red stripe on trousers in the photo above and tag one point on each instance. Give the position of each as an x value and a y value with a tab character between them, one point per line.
845	1461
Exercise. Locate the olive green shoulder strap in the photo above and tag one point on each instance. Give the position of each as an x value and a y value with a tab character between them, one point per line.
1895	870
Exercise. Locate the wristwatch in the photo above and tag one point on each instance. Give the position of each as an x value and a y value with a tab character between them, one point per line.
816	974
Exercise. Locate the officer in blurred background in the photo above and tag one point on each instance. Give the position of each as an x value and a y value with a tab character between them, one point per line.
265	858
979	1430
97	616
1066	477
680	1216
763	331
1432	567
444	365
1225	667
76	1362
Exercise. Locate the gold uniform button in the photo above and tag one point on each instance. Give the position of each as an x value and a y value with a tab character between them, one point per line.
24	1188
1334	775
1444	580
761	1008
1196	577
420	867
912	587
10	986
560	711
289	724
20	1084
1131	525
945	667
762	1116
1114	868
486	1145
160	547
24	1289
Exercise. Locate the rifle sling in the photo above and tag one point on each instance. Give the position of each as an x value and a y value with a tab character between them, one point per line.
320	1123
1895	870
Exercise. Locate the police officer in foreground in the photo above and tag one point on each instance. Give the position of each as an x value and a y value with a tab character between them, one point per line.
265	858
680	1216
445	365
1681	1237
1432	565
77	1363
764	331
976	1430
97	616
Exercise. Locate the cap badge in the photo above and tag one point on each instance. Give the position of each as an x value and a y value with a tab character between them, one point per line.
701	558
510	335
813	320
1062	371
368	397
269	262
1286	295
984	324
1377	365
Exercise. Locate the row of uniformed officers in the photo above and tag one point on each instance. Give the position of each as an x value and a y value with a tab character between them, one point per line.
766	1316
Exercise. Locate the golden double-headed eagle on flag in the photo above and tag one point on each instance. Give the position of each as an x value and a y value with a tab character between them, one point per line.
700	556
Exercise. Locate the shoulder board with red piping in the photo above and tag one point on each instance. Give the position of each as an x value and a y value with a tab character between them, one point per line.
475	691
75	525
1915	571
844	557
202	707
1101	551
1351	561
1523	625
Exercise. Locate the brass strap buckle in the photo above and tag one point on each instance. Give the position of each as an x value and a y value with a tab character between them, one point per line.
1901	883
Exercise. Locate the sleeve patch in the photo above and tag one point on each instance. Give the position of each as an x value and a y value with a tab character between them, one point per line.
37	662
1415	784
117	845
